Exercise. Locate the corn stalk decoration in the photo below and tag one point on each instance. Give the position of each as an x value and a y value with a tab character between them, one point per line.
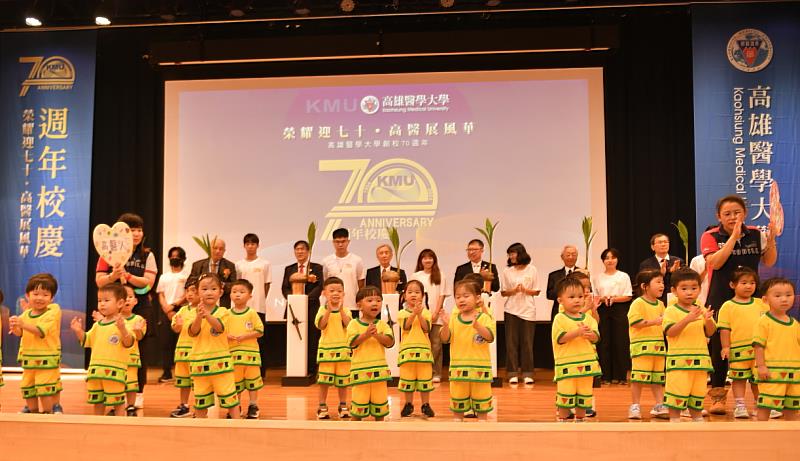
683	233
312	236
588	236
488	233
394	239
205	243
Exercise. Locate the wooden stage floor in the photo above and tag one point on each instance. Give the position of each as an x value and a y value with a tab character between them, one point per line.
534	403
521	427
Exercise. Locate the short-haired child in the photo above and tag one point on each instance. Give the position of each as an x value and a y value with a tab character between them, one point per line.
573	336
333	353
111	342
369	338
244	329
211	364
777	349
183	348
39	327
687	327
138	327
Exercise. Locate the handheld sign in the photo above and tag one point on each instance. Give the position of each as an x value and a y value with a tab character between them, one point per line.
113	244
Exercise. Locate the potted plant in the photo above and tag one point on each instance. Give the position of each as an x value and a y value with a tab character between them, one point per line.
588	236
298	280
390	278
488	233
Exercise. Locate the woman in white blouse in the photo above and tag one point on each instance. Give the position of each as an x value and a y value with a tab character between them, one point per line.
614	289
436	290
519	283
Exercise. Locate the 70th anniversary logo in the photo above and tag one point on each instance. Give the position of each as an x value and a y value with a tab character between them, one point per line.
395	192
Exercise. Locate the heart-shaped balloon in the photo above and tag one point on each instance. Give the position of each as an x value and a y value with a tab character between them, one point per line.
113	244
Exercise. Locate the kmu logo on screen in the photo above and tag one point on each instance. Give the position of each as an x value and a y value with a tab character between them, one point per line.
53	73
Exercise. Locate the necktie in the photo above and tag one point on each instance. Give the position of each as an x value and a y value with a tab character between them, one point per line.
212	267
569	271
300	269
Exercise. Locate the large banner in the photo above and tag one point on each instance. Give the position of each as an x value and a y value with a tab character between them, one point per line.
746	111
46	116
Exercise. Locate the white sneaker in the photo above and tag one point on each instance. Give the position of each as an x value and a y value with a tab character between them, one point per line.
740	412
513	380
139	403
437	379
634	412
528	380
659	411
775	414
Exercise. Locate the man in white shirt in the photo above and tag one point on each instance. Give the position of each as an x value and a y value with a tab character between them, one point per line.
258	272
347	266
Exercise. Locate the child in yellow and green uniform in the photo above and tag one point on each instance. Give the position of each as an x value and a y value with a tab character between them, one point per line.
469	333
244	329
369	338
183	348
111	342
333	353
687	327
736	321
776	341
647	343
138	327
574	335
415	358
210	362
40	347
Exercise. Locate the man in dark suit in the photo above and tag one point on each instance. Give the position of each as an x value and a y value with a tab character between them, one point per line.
384	255
662	261
569	255
313	290
476	264
217	264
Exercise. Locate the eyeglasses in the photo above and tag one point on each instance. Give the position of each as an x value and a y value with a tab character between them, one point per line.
473	249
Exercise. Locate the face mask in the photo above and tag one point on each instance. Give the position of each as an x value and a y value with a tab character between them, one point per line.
175	262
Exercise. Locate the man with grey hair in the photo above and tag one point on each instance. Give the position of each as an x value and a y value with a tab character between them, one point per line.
384	255
569	255
217	264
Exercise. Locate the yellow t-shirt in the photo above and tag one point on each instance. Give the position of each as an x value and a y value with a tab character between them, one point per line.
576	358
741	319
781	343
470	357
35	351
688	350
368	363
647	340
110	359
242	323
210	352
333	343
185	342
136	359
415	345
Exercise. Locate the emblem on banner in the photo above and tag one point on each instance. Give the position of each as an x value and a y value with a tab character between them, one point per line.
53	73
370	105
749	50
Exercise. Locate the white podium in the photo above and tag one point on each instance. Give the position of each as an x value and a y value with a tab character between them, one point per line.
389	313
297	342
495	305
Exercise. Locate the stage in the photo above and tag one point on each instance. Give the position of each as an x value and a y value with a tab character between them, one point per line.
522	424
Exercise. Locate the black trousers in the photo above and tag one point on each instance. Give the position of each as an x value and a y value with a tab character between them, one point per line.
720	366
614	346
167	340
519	346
